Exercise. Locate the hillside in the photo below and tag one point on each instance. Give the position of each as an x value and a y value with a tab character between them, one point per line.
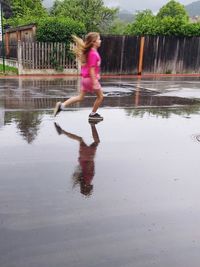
125	16
193	9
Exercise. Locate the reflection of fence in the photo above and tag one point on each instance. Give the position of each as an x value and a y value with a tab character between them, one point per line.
43	94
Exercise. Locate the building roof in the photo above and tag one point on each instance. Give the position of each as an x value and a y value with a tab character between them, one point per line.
20	28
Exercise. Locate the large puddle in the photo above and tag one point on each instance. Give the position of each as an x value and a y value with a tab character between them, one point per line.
123	192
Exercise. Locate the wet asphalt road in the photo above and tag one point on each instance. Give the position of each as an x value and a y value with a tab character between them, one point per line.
123	192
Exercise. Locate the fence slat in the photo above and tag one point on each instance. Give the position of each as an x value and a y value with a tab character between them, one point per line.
33	57
36	55
41	53
24	54
63	55
57	52
48	55
39	65
45	55
51	59
30	55
26	47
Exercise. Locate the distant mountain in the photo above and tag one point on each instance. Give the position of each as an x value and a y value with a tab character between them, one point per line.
193	9
125	15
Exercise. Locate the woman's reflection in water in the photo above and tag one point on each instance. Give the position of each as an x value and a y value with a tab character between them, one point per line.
85	171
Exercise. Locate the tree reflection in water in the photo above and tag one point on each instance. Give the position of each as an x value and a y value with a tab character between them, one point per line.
28	123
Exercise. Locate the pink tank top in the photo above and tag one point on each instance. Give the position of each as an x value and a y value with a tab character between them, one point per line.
93	60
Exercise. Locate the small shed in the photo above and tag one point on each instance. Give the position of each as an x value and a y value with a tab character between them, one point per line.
24	33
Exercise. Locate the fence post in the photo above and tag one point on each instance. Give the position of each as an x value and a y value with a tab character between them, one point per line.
7	44
140	66
19	57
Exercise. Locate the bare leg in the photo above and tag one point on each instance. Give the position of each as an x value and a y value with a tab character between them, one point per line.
68	102
74	99
98	100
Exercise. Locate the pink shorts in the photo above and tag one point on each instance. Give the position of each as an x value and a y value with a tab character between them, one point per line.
86	85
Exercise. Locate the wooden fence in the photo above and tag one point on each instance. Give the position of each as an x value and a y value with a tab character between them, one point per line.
37	56
40	57
150	54
120	55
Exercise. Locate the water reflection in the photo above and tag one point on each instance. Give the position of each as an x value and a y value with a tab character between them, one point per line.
42	93
164	112
27	122
23	100
85	171
36	93
29	125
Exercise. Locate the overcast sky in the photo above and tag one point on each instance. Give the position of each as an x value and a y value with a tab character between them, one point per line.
154	5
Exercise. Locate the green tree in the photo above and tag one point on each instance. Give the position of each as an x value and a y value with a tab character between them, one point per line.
173	9
145	23
171	26
23	8
26	11
118	27
172	19
92	13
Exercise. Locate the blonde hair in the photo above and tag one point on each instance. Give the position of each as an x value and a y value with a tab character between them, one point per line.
83	46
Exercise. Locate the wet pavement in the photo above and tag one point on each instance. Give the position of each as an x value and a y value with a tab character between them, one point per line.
122	193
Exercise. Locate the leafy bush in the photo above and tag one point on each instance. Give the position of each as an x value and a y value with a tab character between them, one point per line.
53	29
192	29
59	30
145	23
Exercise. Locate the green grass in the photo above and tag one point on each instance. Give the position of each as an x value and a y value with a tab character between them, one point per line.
8	70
